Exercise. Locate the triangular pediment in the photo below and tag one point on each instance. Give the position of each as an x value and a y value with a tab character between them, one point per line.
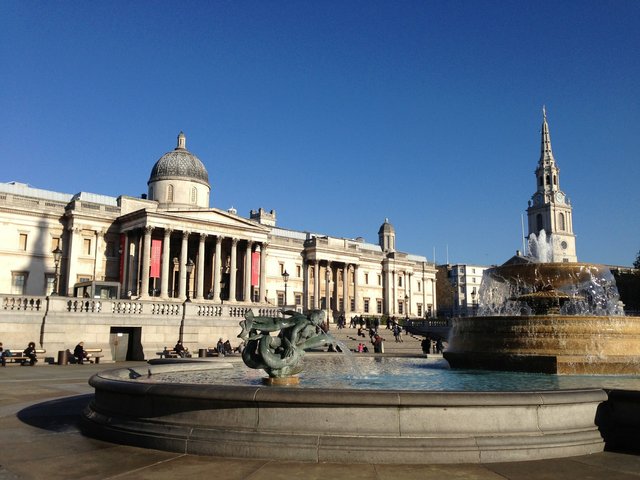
214	216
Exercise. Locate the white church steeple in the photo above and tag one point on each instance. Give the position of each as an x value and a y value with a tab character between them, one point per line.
549	208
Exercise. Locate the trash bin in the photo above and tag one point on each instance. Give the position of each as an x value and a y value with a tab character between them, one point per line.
202	352
62	357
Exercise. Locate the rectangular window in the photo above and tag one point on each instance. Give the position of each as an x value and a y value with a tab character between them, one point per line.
298	299
281	299
379	306
352	304
419	286
380	280
22	242
366	305
341	304
366	279
298	271
419	309
399	281
400	307
311	300
18	282
87	246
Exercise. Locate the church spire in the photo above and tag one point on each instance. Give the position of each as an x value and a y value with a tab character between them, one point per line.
545	145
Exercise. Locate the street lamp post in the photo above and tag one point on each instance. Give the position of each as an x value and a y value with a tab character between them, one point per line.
189	270
57	256
285	277
406	306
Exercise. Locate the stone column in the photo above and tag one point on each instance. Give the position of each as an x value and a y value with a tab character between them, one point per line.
146	262
166	255
345	289
217	269
200	283
305	285
232	270
73	252
327	289
355	288
125	266
183	265
409	294
316	284
247	273
98	262
263	273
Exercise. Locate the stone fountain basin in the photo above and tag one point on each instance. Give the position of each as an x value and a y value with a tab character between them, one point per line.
556	275
341	425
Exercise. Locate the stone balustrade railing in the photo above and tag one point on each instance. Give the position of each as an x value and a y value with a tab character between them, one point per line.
61	305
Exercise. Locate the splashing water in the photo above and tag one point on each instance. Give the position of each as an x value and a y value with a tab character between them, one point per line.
541	247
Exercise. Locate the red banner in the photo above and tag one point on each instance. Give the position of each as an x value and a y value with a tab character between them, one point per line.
255	269
156	253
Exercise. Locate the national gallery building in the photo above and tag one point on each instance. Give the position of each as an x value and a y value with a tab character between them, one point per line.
143	272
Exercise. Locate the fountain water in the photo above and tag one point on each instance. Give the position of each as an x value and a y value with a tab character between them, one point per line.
548	317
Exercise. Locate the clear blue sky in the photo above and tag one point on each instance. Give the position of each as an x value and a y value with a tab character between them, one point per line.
338	114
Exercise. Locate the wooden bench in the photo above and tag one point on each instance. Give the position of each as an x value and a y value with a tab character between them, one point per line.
19	356
168	354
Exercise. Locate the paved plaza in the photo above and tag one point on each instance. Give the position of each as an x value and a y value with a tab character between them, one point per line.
39	439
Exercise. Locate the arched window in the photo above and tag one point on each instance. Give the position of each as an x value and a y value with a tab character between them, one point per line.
561	222
555	180
170	193
539	225
194	195
548	179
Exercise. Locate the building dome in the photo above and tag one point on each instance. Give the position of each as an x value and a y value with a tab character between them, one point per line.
386	227
179	164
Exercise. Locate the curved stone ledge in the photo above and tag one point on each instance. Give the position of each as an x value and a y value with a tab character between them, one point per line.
348	426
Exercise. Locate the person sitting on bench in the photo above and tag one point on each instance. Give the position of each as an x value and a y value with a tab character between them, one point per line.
30	352
80	353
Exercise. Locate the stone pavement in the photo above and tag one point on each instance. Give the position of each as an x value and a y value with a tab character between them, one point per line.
39	439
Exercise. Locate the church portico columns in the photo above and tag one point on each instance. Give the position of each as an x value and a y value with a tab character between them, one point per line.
356	305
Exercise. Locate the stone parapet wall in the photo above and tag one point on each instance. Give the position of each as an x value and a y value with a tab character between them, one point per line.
59	323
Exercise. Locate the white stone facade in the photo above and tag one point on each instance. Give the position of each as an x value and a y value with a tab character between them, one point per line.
146	244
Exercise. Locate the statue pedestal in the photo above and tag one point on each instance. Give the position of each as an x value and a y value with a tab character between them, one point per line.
293	380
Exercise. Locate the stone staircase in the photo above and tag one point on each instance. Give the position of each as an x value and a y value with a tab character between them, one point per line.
349	337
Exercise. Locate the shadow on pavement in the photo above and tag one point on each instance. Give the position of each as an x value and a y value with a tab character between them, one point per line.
56	415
